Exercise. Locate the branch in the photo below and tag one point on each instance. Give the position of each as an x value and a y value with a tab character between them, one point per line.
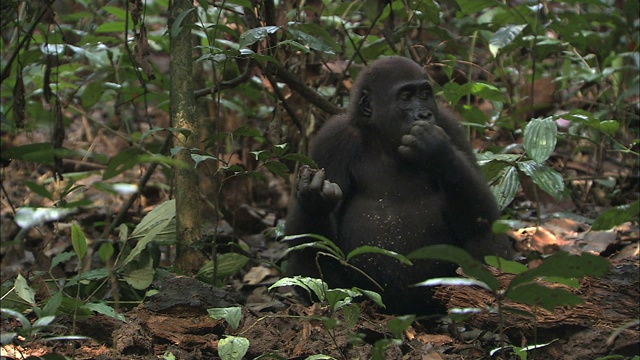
309	94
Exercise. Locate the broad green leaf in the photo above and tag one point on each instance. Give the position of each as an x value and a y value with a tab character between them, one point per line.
38	189
615	216
140	278
323	41
508	266
24	291
228	264
315	286
487	91
540	137
399	324
61	258
123	161
177	25
150	226
92	94
373	296
504	36
311	41
454	281
95	274
277	168
609	127
104	309
52	304
39	153
326	243
252	36
470	266
79	241
115	11
562	264
504	187
470	7
549	180
541	296
351	314
43	322
368	249
232	315
233	348
110	27
105	251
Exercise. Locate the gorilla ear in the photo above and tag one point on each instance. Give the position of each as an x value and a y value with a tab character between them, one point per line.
365	104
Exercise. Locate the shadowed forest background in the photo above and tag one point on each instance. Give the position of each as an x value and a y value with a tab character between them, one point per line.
148	152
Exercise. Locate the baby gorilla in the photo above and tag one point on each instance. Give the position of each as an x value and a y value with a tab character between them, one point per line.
397	174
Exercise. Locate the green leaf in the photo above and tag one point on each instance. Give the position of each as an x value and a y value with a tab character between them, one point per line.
124	161
39	153
616	216
105	309
105	251
313	42
316	286
228	264
141	278
301	158
561	264
609	127
91	94
149	228
470	7
367	249
232	315
60	258
24	291
453	281
541	296
177	26
110	27
323	243
79	241
549	180
38	189
504	36
52	304
399	324
508	266
487	91
277	168
252	36
470	266
540	136
233	348
504	187
351	314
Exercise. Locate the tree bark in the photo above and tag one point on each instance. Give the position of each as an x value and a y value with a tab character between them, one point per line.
183	116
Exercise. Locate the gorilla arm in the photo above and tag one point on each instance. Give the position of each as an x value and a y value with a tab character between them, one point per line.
470	206
318	199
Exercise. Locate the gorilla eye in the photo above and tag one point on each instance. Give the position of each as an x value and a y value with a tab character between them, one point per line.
405	95
425	93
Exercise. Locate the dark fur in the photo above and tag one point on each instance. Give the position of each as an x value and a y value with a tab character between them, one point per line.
400	175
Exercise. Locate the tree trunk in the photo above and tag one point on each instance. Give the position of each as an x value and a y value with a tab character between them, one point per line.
183	116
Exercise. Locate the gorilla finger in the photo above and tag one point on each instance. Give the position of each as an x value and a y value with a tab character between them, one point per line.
332	190
317	181
304	178
409	140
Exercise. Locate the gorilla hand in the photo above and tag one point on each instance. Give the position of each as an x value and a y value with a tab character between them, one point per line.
425	142
317	193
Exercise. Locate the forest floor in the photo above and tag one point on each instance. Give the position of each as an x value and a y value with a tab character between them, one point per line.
176	321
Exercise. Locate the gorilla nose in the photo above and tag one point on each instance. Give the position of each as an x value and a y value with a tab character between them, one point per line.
424	115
